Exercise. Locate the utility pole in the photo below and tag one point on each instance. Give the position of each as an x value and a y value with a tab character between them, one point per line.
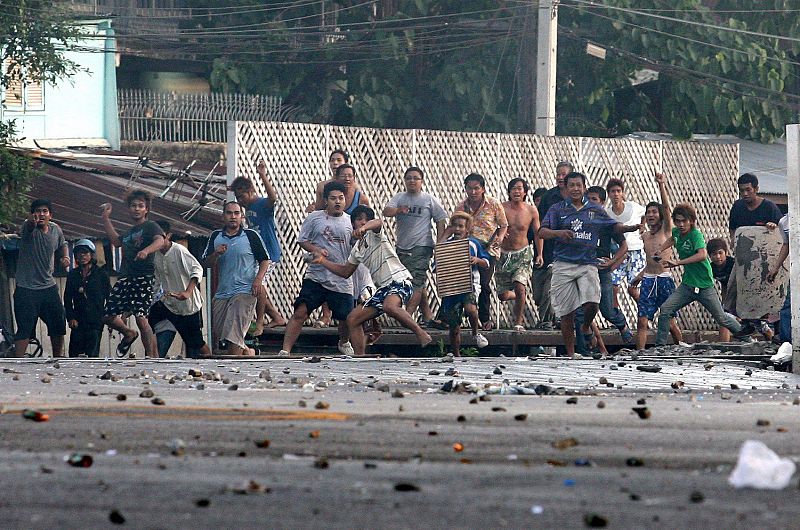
547	41
793	180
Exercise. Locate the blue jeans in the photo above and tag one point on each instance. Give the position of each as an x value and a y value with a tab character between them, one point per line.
785	329
685	295
607	309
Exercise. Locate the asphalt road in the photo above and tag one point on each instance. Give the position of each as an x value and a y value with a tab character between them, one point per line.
341	449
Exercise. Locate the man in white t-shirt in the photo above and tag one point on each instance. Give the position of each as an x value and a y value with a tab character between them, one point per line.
628	213
413	211
179	274
326	232
393	280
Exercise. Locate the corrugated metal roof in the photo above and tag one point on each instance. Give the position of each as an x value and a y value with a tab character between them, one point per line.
77	184
766	161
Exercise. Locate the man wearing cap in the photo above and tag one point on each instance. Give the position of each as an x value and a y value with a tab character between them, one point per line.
84	297
179	274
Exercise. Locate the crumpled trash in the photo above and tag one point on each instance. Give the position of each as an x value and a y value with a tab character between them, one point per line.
759	467
784	353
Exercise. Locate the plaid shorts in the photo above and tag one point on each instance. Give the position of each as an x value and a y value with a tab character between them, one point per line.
402	289
131	295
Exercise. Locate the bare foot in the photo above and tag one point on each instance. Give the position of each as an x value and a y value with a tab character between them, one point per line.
258	330
425	339
488	325
276	323
248	352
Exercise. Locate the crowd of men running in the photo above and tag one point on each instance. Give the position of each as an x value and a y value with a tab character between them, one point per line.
575	251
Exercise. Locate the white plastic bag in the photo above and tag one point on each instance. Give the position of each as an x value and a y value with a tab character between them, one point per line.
759	467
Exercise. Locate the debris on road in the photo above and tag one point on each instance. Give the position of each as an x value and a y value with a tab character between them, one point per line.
760	467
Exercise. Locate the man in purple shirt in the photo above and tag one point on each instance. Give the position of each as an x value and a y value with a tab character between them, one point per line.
576	224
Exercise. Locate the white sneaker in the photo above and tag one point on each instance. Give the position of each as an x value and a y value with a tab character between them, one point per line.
283	353
345	348
784	353
481	341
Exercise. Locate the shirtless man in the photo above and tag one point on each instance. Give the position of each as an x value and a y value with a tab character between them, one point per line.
656	282
337	158
514	267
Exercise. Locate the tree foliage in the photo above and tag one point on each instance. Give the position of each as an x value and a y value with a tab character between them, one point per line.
456	64
34	35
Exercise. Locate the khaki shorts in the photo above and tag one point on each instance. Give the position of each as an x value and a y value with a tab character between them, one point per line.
513	267
230	318
418	262
572	286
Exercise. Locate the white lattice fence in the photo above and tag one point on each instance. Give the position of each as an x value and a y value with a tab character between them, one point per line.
297	155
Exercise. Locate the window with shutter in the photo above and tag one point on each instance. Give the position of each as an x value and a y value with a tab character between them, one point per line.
13	93
22	95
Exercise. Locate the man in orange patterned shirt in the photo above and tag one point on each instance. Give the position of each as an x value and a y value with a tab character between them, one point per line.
489	226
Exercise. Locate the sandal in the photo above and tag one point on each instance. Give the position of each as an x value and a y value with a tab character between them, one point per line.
519	328
125	346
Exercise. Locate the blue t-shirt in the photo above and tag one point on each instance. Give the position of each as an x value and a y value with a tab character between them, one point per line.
587	224
261	217
236	268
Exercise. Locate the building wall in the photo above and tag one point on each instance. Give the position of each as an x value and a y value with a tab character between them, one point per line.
83	106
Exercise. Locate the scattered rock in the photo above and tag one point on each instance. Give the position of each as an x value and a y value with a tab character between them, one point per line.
321	463
177	447
80	460
147	393
157	401
116	517
634	462
265	375
121	397
202	503
497	371
762	423
397	393
434	372
263	444
458	447
91	393
233	387
565	443
677	385
521	417
734	386
601	404
35	415
572	401
643	412
595	520
313	434
697	497
649	368
498	409
603	381
406	487
322	405
461	418
46	379
106	376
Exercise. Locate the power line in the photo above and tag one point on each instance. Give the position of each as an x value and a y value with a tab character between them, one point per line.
591	4
689	39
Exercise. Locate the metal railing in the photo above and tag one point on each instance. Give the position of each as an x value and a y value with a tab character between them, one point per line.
146	115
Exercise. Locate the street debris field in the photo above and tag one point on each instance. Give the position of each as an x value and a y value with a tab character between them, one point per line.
339	442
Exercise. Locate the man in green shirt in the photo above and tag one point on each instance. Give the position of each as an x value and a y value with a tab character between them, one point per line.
698	280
